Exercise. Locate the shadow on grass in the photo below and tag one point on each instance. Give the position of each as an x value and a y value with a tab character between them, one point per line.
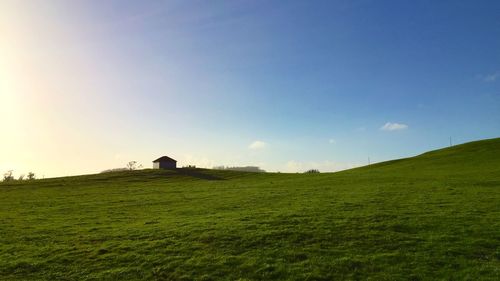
197	173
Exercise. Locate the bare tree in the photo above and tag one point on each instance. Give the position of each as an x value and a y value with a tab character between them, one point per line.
133	165
21	177
8	176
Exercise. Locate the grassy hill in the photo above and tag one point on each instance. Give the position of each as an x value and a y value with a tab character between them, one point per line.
434	216
479	159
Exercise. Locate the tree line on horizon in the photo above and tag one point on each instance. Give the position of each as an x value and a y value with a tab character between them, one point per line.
134	165
240	169
9	176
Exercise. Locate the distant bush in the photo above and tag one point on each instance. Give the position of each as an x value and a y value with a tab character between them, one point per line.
312	171
190	167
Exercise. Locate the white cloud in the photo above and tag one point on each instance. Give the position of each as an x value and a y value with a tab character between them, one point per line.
323	166
332	141
256	145
490	77
393	127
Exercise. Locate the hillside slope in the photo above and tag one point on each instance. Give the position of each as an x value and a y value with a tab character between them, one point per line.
434	216
473	159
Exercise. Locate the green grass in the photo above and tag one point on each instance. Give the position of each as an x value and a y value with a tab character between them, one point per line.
435	216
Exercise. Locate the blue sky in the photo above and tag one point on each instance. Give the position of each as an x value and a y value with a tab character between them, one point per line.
286	85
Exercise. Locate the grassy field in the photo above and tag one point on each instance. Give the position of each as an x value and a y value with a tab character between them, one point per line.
434	216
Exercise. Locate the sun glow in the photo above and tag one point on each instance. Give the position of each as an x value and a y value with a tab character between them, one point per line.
23	92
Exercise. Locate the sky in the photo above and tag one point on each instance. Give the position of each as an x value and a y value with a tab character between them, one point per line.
285	85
